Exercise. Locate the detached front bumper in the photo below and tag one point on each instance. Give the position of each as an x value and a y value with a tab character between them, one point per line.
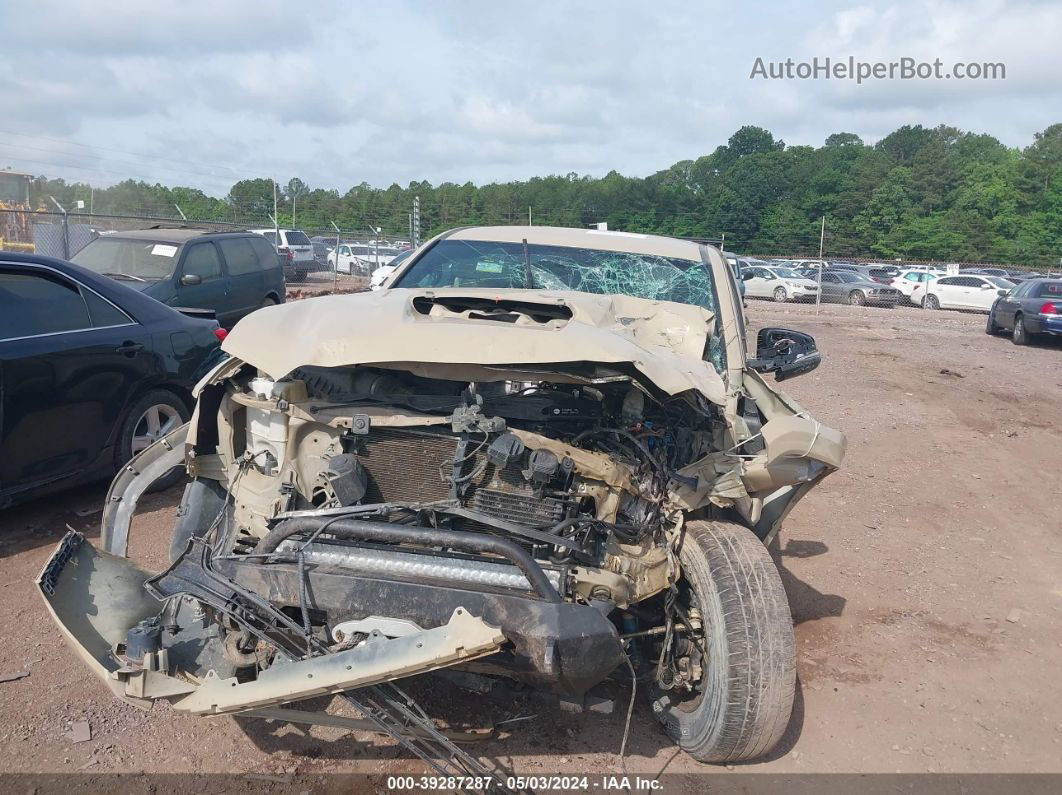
96	598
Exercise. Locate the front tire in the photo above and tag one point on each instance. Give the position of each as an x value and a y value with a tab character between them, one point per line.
990	327
150	417
780	295
745	693
856	298
932	302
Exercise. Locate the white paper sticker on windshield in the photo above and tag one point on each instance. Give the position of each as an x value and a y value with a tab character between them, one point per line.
162	250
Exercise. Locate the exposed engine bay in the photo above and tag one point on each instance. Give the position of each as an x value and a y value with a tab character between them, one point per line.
330	467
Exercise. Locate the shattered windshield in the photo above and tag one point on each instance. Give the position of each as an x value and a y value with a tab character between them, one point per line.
486	264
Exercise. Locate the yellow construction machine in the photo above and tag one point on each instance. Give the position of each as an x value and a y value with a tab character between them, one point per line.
15	232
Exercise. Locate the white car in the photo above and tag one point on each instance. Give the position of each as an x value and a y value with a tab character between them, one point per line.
295	251
976	293
911	279
354	258
379	276
779	284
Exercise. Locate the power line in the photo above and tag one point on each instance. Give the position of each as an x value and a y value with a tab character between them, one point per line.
110	149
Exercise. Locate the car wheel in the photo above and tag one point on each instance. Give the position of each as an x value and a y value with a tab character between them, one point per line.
991	327
1020	336
856	298
780	295
931	302
152	416
741	704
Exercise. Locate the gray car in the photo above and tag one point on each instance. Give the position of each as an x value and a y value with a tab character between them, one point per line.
848	287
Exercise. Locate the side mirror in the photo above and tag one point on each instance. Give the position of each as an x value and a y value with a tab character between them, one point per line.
1002	293
785	353
745	276
191	279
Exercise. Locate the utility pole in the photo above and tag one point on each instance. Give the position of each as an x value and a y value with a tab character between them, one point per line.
822	238
335	269
293	211
179	210
416	222
276	224
529	215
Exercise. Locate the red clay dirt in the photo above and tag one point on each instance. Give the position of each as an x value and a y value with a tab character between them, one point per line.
924	580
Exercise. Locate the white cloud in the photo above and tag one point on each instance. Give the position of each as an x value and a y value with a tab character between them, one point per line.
338	93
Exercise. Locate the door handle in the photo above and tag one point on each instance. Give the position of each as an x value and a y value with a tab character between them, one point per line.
129	348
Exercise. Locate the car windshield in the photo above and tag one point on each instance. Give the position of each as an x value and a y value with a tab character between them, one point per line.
477	264
786	273
134	260
1000	282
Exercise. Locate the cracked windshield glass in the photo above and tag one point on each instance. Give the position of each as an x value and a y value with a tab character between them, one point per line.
480	264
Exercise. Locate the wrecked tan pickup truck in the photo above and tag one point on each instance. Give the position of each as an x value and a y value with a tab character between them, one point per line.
540	454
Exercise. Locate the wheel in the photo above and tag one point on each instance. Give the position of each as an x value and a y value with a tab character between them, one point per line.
741	704
991	327
1020	336
779	295
856	298
932	302
152	416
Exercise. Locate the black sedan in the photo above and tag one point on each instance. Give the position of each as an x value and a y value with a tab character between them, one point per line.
1033	307
91	372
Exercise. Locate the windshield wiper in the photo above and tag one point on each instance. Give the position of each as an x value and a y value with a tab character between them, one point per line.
128	276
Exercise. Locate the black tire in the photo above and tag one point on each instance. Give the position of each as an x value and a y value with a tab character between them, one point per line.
1019	336
932	302
748	683
856	298
131	431
780	295
990	327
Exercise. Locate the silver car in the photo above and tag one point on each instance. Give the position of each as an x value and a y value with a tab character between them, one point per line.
848	287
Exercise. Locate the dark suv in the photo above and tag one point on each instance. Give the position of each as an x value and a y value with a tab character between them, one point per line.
232	273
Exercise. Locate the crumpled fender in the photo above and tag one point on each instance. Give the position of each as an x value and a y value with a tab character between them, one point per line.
132	481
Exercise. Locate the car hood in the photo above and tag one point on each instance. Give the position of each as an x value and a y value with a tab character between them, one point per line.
435	330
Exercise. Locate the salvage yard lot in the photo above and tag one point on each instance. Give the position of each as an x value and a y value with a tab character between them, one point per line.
923	577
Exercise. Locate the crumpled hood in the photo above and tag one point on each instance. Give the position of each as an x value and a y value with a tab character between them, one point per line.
662	340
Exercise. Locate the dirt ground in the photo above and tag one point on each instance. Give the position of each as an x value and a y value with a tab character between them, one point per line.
924	580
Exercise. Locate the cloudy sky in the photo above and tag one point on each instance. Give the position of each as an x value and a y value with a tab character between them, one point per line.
205	93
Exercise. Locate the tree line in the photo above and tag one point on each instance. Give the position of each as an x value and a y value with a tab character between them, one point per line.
919	193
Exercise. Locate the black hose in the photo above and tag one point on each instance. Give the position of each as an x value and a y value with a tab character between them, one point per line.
354	529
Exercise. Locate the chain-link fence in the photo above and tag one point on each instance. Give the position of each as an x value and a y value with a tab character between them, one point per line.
62	235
